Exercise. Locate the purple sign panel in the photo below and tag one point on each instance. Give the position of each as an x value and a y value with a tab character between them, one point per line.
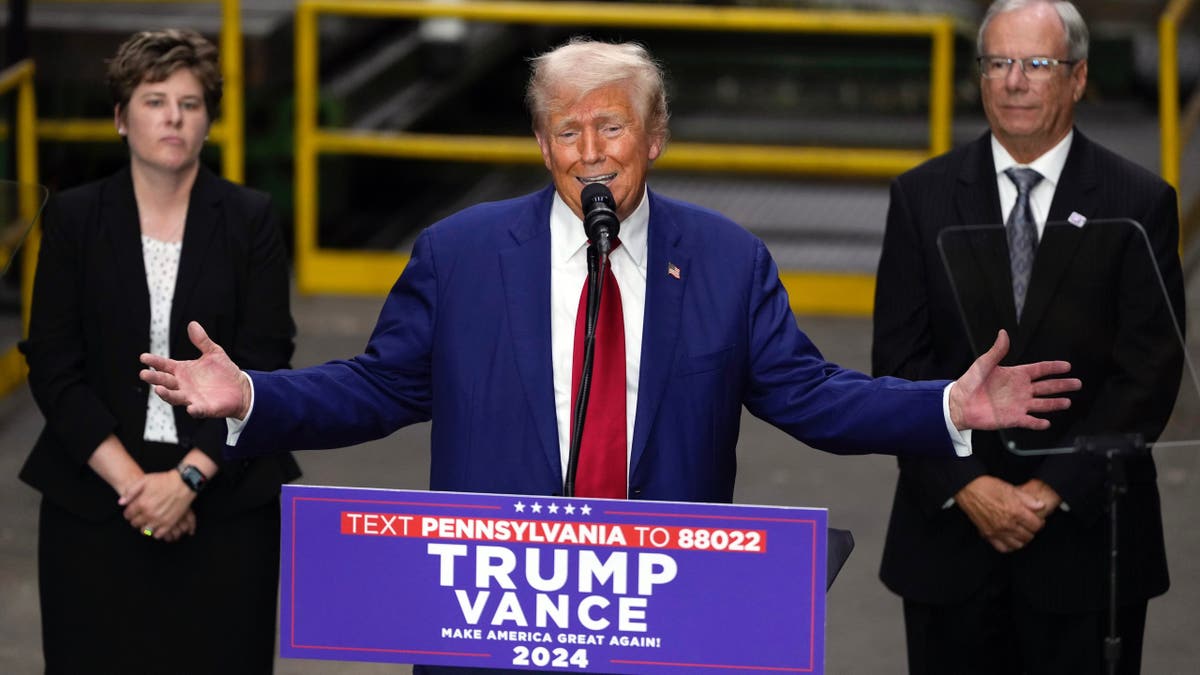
551	583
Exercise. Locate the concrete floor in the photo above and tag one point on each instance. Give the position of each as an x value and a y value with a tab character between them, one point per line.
865	631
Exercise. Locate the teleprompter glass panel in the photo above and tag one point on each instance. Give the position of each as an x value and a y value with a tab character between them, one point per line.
1106	297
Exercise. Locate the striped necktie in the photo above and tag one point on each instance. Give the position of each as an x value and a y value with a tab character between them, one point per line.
1022	234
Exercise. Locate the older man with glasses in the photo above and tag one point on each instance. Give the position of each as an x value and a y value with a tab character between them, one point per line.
1002	560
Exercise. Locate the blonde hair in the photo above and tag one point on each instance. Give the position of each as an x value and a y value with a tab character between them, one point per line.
583	65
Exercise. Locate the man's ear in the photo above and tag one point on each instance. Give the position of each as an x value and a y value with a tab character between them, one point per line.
1079	80
656	148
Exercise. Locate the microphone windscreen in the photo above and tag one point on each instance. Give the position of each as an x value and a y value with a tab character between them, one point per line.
596	195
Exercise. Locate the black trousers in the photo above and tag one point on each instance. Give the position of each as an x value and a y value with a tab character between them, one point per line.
998	633
114	601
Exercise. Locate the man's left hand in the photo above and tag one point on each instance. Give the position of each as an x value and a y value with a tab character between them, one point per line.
1039	490
991	396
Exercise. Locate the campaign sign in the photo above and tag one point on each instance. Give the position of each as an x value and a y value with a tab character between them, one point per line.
551	583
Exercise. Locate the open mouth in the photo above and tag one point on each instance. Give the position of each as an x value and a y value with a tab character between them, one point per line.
604	178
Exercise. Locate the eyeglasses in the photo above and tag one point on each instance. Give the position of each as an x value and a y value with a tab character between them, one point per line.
1034	67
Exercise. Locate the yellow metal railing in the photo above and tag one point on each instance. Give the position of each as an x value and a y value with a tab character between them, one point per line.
228	131
323	270
20	78
1174	131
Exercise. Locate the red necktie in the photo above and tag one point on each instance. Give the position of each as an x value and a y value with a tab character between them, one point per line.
602	456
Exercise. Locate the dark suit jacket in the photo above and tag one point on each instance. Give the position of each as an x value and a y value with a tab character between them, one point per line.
1092	300
91	321
464	339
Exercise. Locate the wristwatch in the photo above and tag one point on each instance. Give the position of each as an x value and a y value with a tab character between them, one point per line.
192	477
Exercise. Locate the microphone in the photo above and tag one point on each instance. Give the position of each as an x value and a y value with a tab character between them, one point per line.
600	217
601	225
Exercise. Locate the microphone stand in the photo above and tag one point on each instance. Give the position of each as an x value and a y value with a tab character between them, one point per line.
1114	449
597	264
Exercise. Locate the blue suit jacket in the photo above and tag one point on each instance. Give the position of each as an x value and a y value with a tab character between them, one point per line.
464	339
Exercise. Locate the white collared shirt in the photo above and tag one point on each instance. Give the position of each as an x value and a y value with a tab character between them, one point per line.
568	272
1050	165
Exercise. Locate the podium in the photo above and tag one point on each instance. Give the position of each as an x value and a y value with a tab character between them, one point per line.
554	583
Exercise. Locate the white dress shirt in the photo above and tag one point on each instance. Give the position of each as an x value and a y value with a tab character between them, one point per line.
1050	165
568	272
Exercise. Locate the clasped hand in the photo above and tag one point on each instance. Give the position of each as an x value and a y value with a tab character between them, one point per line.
1007	516
162	503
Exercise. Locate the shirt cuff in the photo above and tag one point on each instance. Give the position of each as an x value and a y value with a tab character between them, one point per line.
960	439
234	426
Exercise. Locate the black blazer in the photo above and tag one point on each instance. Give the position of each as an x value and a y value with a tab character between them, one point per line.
90	322
1084	304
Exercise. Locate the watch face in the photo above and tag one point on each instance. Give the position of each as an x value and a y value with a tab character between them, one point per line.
192	476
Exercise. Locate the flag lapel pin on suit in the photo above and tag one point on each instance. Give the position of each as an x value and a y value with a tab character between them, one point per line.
673	270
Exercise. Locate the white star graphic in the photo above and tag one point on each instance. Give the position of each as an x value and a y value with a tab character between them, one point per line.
585	510
569	509
519	507
553	508
536	508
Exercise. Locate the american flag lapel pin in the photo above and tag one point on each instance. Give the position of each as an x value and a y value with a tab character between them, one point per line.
672	270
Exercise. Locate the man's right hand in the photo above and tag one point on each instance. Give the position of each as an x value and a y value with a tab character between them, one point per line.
210	386
1004	515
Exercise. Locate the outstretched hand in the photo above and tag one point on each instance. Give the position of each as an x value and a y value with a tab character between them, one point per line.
991	396
210	386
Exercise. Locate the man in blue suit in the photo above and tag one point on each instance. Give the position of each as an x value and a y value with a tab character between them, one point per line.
477	334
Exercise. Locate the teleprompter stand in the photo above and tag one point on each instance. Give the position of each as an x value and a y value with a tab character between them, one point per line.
1114	449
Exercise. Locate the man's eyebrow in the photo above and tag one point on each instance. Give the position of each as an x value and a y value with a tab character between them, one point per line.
564	123
600	117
